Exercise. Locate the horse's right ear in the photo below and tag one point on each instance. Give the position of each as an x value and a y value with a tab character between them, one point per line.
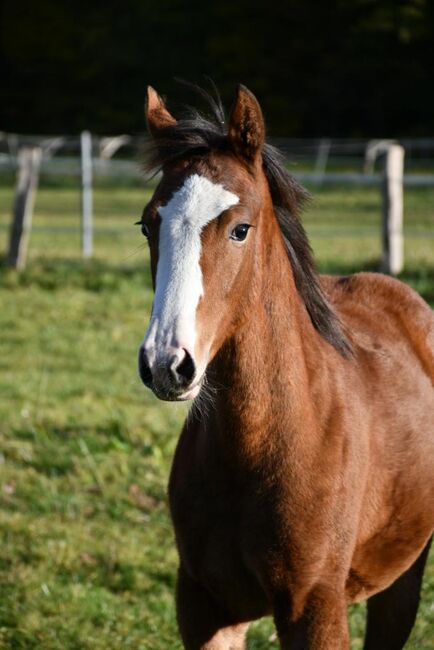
246	126
157	115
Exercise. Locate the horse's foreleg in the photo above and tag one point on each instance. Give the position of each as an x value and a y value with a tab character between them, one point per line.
203	624
392	612
323	624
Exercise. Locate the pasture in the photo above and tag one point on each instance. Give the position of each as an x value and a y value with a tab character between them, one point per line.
87	556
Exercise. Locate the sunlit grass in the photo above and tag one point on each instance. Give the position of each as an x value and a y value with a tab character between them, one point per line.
87	555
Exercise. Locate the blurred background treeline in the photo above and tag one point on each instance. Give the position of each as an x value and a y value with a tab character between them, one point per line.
346	68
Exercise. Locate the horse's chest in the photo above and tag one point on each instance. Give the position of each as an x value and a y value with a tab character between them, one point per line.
208	516
216	534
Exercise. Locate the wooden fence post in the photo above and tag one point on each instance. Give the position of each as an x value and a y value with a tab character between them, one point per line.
86	194
322	159
29	159
393	202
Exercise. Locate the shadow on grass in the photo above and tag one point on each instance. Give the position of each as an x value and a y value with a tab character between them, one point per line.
52	445
422	280
336	267
112	429
101	276
101	570
91	275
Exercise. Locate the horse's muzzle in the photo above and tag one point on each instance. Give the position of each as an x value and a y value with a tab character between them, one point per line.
171	377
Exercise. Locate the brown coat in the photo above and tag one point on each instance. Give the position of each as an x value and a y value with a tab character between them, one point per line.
304	476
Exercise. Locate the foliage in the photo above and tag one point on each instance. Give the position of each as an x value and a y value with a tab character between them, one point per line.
331	68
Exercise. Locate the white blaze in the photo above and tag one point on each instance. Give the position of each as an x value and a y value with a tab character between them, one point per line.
179	276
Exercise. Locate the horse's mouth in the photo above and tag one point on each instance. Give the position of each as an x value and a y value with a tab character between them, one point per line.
172	395
192	393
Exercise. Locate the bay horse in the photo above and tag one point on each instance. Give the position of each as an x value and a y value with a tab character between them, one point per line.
303	479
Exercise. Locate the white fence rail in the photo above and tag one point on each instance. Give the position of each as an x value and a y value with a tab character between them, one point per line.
315	162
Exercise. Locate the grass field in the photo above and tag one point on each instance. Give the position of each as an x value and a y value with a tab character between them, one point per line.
87	556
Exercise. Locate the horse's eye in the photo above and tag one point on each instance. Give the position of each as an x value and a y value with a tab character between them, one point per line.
239	233
144	228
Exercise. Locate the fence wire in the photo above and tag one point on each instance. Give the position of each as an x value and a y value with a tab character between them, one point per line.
343	219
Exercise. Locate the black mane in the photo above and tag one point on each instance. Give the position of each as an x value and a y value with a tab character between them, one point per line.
198	134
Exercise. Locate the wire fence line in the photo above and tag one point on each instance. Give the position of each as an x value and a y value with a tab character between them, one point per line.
320	160
69	166
318	163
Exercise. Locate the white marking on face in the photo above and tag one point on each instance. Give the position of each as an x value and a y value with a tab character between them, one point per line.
179	277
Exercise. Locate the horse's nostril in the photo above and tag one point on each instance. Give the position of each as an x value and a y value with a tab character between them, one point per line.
187	367
144	369
183	371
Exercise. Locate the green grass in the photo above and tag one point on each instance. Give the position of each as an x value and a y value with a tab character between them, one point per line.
87	555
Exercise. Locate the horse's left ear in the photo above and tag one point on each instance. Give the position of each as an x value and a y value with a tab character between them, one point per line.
157	115
246	126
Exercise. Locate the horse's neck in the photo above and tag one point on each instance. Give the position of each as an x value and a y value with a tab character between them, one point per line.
263	375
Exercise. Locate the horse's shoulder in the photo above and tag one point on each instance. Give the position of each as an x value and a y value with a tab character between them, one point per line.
376	306
376	291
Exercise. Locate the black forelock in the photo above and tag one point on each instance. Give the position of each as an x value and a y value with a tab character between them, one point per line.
198	134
